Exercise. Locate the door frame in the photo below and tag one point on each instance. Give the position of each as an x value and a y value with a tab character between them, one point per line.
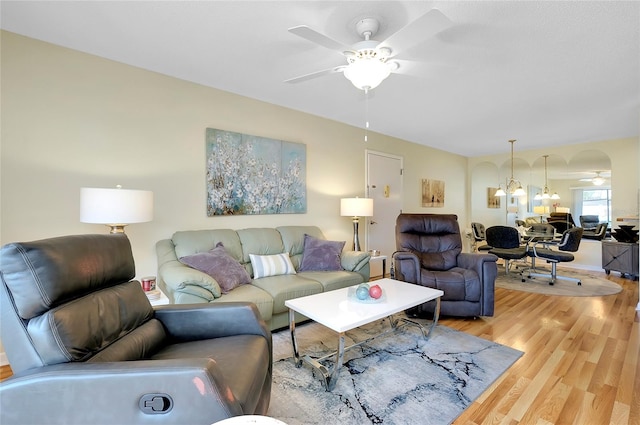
368	152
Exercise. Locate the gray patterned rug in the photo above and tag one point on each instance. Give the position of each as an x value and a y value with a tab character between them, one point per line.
399	378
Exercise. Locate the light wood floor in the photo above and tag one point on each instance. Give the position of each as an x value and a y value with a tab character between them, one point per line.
580	364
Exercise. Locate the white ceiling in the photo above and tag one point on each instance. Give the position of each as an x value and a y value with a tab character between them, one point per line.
543	72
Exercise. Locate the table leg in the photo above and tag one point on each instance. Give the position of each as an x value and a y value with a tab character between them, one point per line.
330	381
294	342
426	331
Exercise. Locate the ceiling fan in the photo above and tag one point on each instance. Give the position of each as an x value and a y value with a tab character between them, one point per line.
598	180
369	62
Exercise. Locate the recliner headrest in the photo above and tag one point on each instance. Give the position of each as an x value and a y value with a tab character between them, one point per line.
44	274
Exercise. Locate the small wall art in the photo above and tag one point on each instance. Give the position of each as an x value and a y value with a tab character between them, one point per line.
432	193
254	175
493	201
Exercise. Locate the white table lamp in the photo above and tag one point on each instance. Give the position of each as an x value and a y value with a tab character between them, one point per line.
115	207
356	208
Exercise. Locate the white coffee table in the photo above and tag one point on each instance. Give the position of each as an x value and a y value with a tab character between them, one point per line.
340	311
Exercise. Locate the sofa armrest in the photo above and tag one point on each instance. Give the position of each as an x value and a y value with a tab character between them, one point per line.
181	278
354	261
101	393
485	266
406	266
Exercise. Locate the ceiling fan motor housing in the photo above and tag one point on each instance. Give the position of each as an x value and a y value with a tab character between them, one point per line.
367	27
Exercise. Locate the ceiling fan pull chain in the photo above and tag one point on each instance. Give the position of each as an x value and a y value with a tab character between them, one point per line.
366	114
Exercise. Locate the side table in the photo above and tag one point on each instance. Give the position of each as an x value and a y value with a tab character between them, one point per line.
621	257
384	263
162	300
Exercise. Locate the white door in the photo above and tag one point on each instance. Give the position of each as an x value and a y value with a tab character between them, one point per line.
384	185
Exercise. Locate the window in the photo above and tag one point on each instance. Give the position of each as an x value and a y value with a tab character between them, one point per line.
597	202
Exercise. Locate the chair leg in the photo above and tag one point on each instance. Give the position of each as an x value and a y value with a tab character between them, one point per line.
506	266
553	276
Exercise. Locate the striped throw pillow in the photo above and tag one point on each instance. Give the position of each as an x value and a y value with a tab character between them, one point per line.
271	265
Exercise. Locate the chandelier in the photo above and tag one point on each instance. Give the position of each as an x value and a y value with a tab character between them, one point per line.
514	187
545	192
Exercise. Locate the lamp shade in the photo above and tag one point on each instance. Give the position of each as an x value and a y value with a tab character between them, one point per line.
356	207
541	209
115	206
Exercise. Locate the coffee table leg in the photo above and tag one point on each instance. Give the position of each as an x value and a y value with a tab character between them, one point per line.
330	381
294	342
426	331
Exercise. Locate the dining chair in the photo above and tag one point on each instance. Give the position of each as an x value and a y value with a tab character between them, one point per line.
506	244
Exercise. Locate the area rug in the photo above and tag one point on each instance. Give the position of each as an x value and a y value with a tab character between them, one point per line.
399	378
592	284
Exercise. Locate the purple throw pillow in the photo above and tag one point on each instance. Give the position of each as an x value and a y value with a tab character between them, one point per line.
221	266
321	255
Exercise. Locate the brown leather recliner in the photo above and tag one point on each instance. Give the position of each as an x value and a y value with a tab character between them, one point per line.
430	254
86	346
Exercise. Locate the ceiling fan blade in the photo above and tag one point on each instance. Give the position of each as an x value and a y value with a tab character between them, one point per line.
318	38
315	74
422	69
417	31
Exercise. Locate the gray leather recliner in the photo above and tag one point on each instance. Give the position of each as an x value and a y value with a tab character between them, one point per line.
86	346
430	254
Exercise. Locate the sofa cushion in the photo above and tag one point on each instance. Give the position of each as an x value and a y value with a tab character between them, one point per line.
334	279
217	263
188	242
321	255
253	294
271	265
286	287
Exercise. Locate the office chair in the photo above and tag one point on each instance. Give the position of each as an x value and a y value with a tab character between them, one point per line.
570	242
505	243
479	235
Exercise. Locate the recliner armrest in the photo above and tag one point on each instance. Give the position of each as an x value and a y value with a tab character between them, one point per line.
190	322
476	262
407	266
108	393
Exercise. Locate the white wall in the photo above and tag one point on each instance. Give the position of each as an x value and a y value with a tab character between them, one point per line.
71	120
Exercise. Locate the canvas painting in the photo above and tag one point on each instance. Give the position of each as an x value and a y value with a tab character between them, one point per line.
254	175
432	193
493	201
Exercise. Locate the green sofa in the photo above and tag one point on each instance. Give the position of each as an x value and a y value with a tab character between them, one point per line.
186	285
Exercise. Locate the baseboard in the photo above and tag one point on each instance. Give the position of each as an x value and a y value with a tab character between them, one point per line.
3	359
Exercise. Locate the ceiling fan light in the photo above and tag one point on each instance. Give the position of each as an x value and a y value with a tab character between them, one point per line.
367	73
598	181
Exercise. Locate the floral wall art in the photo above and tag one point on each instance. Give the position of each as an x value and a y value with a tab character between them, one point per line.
254	175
